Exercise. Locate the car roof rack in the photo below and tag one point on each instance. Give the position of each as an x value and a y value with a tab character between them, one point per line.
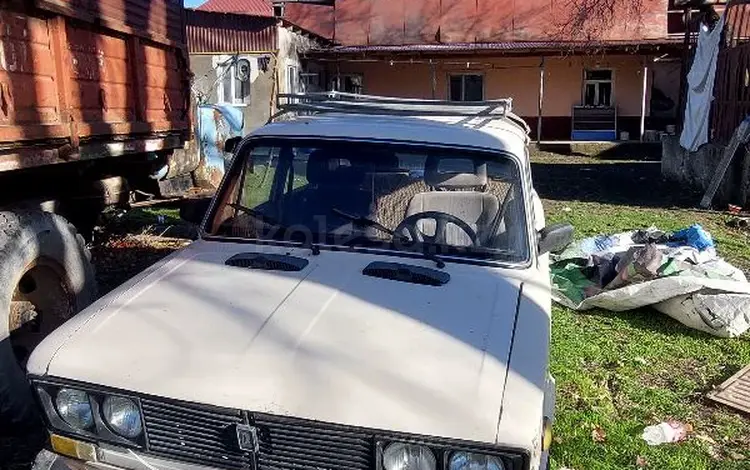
349	103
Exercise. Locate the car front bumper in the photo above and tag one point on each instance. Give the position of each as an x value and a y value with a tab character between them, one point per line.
109	459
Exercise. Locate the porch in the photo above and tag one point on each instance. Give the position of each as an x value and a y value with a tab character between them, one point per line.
564	93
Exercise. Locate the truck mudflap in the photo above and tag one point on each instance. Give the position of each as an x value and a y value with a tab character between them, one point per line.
216	124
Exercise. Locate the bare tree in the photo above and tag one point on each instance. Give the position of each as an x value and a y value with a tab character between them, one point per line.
590	19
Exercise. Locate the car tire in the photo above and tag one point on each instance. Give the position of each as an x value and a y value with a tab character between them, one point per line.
46	276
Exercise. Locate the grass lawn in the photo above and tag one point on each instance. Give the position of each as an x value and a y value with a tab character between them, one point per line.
619	372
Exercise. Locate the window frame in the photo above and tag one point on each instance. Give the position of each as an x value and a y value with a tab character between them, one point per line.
221	72
463	76
597	84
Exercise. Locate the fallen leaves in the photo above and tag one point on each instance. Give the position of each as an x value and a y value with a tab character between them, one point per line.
598	434
641	462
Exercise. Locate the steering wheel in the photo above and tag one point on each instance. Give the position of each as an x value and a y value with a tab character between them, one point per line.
442	220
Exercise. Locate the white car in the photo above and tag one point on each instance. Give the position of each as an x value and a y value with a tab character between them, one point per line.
370	292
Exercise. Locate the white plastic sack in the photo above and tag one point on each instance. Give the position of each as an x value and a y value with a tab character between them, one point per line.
724	315
716	306
701	87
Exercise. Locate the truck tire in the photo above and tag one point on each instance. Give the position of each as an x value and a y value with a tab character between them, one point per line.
46	276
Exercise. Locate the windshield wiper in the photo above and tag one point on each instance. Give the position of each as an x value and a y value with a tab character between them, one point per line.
273	222
257	214
367	222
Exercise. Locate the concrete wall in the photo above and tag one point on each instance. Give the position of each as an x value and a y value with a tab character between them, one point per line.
257	106
517	78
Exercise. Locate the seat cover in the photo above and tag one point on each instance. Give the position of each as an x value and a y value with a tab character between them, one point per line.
462	195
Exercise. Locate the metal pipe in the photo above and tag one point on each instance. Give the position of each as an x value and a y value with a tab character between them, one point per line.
433	78
643	100
541	101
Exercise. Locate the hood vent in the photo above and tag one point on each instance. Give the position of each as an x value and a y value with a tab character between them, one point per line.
407	273
267	262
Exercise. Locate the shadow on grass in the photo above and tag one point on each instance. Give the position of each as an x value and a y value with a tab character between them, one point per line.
651	320
623	151
622	183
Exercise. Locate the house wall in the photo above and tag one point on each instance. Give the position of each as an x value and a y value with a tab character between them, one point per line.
257	107
517	78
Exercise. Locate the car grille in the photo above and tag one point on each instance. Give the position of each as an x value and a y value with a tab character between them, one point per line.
295	444
193	434
202	435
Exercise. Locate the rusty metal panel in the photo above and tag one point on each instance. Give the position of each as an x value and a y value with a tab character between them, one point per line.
246	7
159	20
209	32
493	23
377	22
353	22
101	90
314	18
421	21
387	22
28	93
735	392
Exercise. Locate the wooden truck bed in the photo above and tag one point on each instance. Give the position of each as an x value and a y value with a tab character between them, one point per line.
83	79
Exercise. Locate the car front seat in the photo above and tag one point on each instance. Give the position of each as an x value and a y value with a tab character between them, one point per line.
462	195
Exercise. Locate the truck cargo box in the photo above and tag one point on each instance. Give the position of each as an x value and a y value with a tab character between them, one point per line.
86	79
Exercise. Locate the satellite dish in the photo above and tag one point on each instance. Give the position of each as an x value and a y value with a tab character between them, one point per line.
242	70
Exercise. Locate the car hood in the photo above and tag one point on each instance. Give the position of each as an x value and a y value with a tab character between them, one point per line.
326	343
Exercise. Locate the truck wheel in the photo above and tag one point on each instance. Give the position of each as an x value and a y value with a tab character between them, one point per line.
46	276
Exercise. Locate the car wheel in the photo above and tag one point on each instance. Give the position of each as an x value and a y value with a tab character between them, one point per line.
46	276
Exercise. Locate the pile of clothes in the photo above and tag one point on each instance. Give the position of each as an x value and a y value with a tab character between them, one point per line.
678	273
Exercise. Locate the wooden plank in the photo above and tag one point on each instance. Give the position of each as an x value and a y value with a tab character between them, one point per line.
740	137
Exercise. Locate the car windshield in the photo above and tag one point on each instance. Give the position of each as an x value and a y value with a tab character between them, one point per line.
452	202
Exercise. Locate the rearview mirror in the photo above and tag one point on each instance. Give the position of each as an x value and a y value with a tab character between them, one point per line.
194	210
555	237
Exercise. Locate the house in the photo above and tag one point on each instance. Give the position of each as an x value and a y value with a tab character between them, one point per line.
621	81
242	55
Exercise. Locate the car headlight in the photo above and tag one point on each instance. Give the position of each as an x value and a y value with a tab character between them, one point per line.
74	408
400	456
122	416
474	461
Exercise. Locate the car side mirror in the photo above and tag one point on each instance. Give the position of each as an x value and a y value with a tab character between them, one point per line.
194	210
231	144
555	237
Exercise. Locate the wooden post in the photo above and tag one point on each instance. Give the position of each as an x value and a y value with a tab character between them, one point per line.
433	78
541	102
644	98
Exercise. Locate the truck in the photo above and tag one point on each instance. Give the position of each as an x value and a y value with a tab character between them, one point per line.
94	106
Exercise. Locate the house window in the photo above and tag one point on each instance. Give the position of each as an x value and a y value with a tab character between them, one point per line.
231	89
348	83
597	88
467	87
